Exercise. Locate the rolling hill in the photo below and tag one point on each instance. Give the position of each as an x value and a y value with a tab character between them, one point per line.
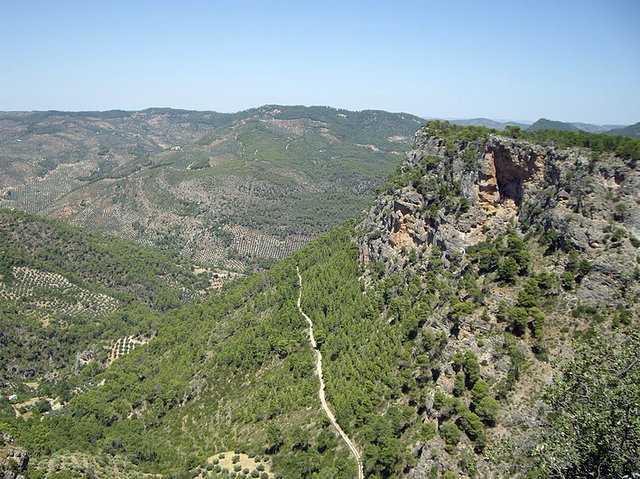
544	124
632	131
235	190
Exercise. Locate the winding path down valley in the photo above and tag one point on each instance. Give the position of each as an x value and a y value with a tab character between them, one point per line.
321	394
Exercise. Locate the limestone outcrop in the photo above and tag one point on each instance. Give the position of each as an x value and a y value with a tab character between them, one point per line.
459	198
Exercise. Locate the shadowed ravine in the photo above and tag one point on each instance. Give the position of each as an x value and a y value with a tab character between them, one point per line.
321	394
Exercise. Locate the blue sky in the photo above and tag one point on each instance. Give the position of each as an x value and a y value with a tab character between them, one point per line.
565	60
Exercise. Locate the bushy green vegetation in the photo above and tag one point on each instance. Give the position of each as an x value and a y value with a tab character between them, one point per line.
108	264
201	356
594	421
244	354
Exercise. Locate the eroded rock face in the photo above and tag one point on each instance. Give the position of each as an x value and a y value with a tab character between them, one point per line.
483	188
507	167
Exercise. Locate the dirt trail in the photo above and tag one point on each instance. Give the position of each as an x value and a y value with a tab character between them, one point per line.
321	395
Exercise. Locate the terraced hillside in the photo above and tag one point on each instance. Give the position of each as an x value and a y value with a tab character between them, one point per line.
65	293
234	190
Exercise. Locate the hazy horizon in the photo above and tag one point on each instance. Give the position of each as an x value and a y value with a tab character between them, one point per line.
570	61
425	117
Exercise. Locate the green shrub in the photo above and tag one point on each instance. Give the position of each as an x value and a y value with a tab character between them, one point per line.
445	405
537	323
618	235
487	409
473	427
488	258
479	391
547	281
457	360
517	250
507	270
462	308
459	385
567	280
471	368
529	295
450	433
583	268
428	431
518	319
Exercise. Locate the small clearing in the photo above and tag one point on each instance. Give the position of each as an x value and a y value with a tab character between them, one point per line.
226	461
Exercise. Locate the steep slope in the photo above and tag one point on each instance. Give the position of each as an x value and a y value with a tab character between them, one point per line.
231	189
632	131
442	317
523	248
60	287
321	393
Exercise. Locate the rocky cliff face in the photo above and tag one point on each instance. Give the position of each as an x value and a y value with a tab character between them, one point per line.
524	249
458	199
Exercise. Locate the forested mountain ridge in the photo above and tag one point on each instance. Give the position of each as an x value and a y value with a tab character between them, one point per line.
480	321
487	123
632	131
545	124
234	190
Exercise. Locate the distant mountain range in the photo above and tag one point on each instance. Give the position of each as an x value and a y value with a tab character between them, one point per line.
632	131
487	123
232	189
